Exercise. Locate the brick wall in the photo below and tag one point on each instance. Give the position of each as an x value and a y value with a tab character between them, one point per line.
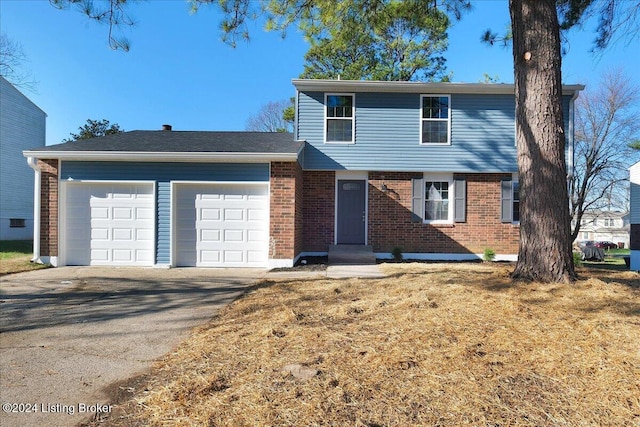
319	210
390	218
285	234
48	207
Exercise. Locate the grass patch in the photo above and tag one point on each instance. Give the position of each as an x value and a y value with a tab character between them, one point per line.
618	252
611	261
431	344
15	257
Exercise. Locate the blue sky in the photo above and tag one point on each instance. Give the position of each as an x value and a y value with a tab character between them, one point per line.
178	71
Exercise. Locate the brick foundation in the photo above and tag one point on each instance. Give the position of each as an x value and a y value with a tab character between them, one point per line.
285	234
48	207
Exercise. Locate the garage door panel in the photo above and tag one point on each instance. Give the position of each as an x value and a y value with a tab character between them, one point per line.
99	255
99	213
233	214
231	256
210	196
256	257
144	255
223	216
144	213
109	224
122	255
256	214
210	236
144	234
256	236
210	256
233	236
122	213
123	234
208	214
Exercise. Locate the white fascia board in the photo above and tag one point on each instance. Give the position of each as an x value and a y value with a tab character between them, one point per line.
196	157
414	87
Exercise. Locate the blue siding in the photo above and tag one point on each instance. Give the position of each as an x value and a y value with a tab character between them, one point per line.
162	174
163	223
388	134
156	171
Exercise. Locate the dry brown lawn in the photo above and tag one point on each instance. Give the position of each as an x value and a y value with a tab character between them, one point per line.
18	264
431	344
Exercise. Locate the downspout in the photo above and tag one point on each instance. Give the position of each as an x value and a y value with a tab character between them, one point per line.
571	142
571	135
33	163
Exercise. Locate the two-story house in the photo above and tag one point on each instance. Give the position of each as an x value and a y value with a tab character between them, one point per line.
22	126
604	225
428	167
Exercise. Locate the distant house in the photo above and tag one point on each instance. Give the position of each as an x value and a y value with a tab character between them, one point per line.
599	225
22	126
429	167
634	174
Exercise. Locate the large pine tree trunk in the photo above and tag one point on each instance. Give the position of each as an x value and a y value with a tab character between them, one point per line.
545	243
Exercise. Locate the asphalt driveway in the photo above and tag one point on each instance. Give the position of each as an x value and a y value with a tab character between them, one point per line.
67	333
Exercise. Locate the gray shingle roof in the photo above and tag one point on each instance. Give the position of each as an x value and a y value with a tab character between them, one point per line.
184	142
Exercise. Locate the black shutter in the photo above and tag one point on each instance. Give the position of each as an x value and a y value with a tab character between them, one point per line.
460	202
417	200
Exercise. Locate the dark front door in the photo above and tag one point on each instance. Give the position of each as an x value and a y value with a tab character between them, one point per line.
351	211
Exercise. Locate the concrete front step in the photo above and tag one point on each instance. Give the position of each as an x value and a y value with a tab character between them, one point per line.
351	254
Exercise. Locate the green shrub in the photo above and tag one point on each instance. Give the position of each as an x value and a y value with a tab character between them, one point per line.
577	258
488	255
397	253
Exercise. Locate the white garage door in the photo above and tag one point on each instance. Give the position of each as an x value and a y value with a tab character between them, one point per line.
109	224
221	225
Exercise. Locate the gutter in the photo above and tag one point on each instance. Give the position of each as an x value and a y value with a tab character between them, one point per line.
33	163
142	156
323	85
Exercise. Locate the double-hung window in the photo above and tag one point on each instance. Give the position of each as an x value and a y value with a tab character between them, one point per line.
510	201
439	199
516	200
339	118
435	119
436	201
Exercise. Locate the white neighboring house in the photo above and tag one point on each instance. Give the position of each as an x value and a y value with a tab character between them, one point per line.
612	226
22	127
634	177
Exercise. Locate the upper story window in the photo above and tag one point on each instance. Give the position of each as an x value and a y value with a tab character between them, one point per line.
435	119
609	222
339	120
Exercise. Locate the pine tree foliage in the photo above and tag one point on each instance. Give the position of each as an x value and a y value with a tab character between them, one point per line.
94	129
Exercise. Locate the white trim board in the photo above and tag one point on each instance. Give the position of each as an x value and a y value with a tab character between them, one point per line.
446	256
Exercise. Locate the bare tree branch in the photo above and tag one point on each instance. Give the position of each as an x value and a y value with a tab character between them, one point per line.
271	118
607	120
12	62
